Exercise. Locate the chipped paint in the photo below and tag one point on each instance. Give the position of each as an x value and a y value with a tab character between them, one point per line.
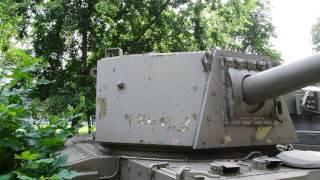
165	121
102	104
227	139
184	125
146	121
262	132
269	141
176	141
195	88
142	119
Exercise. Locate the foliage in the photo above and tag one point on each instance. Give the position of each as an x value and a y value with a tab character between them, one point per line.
73	34
9	22
30	138
315	32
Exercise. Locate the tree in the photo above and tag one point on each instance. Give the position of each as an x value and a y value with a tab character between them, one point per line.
8	23
315	33
73	34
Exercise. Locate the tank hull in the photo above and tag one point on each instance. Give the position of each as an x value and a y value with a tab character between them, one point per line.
94	161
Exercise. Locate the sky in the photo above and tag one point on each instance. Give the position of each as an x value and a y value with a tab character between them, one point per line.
293	20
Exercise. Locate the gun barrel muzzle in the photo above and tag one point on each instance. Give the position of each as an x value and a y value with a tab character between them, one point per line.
281	79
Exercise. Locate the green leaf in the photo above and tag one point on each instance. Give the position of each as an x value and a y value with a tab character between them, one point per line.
44	81
54	177
26	155
52	142
45	161
61	161
82	98
66	174
11	142
23	176
70	108
6	176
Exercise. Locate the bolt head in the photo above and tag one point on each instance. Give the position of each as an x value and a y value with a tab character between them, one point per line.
121	85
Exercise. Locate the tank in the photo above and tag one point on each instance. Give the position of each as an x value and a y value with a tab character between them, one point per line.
194	115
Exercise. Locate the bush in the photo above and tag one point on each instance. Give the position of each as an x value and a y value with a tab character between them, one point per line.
30	136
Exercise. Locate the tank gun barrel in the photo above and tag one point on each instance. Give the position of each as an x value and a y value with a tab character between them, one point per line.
281	79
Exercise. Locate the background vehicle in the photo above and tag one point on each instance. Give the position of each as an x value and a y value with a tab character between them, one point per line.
305	113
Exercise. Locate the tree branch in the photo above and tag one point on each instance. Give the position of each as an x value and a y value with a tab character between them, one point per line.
148	26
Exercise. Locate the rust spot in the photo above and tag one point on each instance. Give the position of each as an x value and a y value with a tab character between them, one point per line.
128	118
262	132
176	141
162	120
194	116
102	104
227	139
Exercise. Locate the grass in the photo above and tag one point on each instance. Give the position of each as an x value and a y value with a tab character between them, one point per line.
85	129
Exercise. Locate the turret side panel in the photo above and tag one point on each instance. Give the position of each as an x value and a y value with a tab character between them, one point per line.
159	102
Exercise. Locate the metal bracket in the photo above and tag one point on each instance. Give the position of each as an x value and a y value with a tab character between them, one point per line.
111	52
207	61
199	175
225	168
179	175
265	162
155	166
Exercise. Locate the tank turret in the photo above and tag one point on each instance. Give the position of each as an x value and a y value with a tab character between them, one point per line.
195	115
197	100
